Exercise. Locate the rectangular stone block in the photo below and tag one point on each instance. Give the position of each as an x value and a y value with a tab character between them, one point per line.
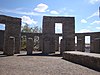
81	43
29	46
10	46
95	45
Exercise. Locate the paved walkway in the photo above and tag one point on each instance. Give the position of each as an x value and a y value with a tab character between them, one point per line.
39	64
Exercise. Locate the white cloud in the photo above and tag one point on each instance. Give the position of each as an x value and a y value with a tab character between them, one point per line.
54	12
83	21
28	20
98	28
95	22
84	31
94	14
41	7
93	1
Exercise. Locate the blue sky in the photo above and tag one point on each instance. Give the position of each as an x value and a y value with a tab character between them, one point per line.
86	12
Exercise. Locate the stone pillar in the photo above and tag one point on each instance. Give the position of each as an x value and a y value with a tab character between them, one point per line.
1	39
95	44
48	35
46	46
56	43
81	43
91	44
40	43
69	33
11	47
62	43
29	46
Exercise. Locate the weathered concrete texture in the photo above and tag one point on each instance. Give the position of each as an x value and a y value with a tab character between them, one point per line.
56	43
69	33
94	41
29	46
62	43
48	44
40	43
49	33
90	60
41	65
11	48
81	43
1	39
12	28
95	44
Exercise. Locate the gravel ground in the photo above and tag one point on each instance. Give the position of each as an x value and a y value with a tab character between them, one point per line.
40	65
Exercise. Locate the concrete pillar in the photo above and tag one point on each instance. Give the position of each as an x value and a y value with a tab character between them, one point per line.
46	46
62	43
81	43
29	46
95	45
1	39
56	43
10	49
69	33
48	35
17	44
40	43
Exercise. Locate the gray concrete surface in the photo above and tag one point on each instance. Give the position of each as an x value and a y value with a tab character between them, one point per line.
38	64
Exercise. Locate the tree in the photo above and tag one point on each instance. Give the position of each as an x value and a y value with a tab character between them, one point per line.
35	29
26	28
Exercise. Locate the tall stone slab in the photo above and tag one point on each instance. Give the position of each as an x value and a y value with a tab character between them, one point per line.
68	25
62	46
29	46
40	43
12	28
11	48
56	43
95	43
48	35
81	43
69	33
1	39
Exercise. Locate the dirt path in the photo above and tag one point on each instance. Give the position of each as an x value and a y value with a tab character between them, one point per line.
41	65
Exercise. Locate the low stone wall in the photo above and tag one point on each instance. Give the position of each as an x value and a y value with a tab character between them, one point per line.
90	60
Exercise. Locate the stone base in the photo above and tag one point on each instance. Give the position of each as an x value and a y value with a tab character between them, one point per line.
90	60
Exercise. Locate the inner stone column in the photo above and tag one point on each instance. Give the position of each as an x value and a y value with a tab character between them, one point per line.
29	46
81	43
11	48
95	44
62	47
40	43
56	43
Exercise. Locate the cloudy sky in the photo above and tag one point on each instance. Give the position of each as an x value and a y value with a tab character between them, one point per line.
86	12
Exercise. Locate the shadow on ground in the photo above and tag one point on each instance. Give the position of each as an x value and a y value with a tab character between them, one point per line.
2	55
41	54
